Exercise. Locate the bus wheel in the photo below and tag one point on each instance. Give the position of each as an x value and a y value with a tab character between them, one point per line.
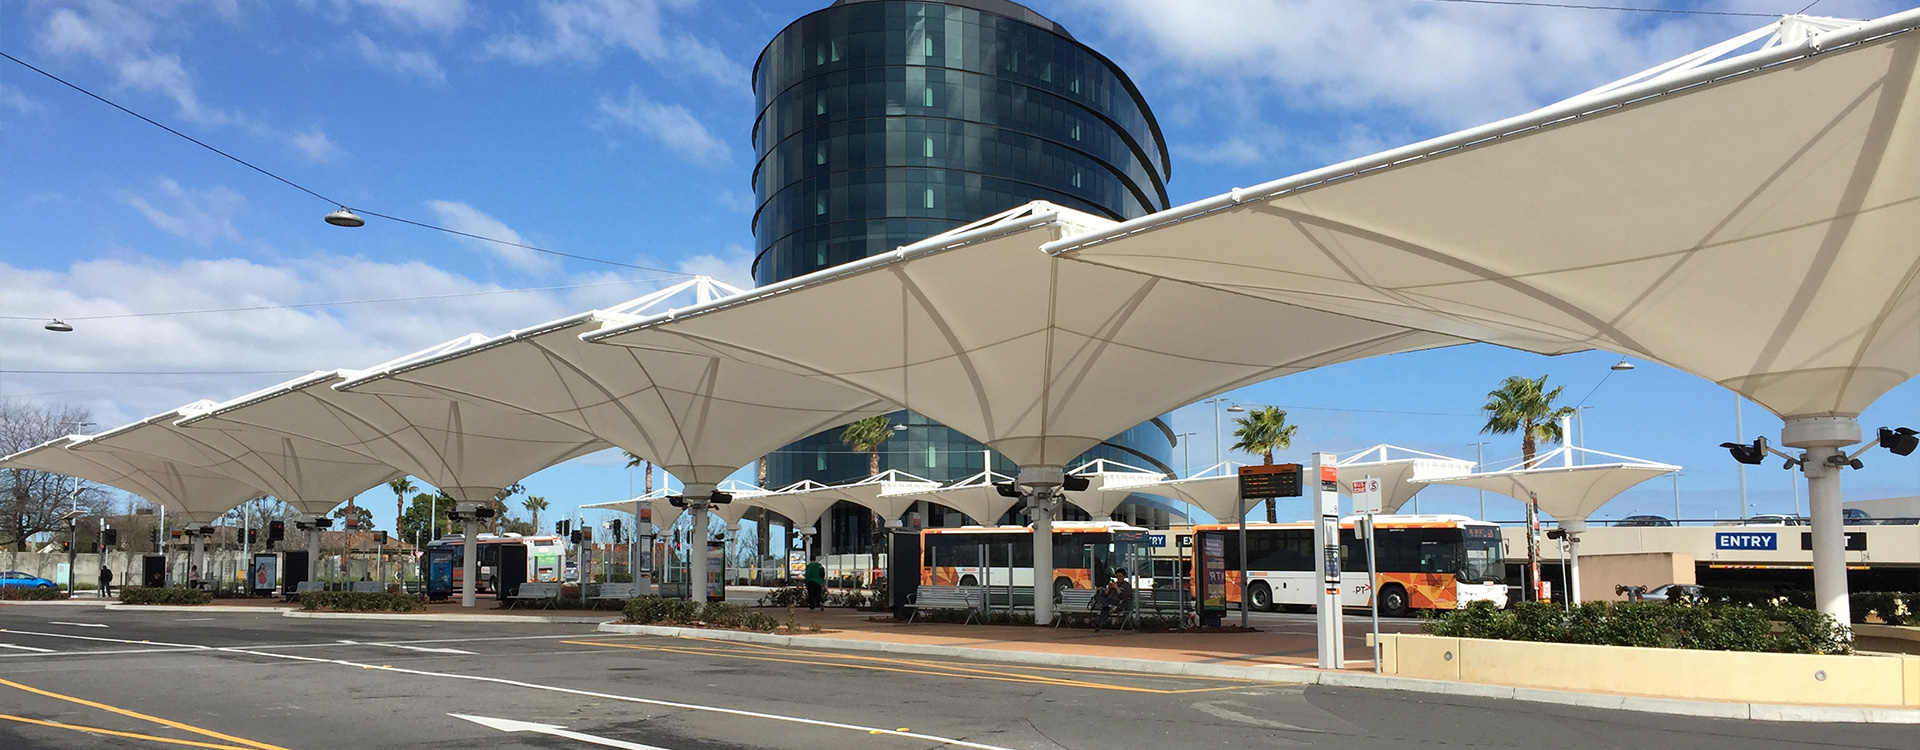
969	581
1061	583
1261	597
1393	601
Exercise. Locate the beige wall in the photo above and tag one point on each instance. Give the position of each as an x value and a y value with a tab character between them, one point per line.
1886	545
1797	679
1599	574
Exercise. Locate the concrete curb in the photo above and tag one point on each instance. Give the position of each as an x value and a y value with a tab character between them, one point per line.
61	603
194	608
429	617
1302	675
1892	632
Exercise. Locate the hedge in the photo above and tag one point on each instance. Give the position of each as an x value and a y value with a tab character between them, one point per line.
796	596
1892	607
168	595
1715	627
655	609
25	594
358	601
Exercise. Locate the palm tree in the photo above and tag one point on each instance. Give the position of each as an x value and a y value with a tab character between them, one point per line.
1524	405
400	487
645	467
868	435
1264	431
534	504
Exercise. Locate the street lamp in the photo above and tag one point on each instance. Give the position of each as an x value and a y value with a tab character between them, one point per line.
1186	456
345	218
1216	401
59	326
1479	462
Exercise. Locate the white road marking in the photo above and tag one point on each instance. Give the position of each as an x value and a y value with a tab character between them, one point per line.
27	648
194	619
427	649
510	725
78	624
107	652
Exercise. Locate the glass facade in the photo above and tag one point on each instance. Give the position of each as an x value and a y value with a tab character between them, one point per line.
882	122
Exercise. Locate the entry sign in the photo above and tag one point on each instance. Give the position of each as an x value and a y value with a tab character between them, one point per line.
1366	495
1746	540
1265	482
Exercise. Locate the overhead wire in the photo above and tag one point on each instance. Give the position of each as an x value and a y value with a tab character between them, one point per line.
309	191
1618	8
300	305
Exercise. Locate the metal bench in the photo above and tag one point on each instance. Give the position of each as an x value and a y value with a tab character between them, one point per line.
1080	603
369	587
945	597
613	590
548	594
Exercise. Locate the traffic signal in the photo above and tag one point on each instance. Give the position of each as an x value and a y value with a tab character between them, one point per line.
156	537
616	528
66	546
276	531
560	528
253	536
574	536
110	537
382	539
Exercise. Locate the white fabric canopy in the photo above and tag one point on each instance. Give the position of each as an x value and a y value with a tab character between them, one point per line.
312	477
697	415
193	492
1568	492
1039	359
1757	230
466	450
1109	484
1398	476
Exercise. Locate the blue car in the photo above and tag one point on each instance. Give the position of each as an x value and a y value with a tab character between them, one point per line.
17	578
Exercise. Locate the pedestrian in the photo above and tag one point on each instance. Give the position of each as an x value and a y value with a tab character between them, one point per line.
106	581
816	583
1116	598
193	577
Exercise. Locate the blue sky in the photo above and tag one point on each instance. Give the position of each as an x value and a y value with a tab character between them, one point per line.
619	131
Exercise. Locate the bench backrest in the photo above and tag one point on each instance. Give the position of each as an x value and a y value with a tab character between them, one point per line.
539	590
947	596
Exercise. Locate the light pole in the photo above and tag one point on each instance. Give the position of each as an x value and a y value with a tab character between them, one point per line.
1676	498
1216	401
1479	462
1740	436
1186	455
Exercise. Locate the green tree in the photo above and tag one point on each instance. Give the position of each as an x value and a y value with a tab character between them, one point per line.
534	504
1524	405
499	503
400	486
361	517
425	514
1263	431
868	435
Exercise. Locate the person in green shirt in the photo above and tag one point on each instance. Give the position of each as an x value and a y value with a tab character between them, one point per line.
816	583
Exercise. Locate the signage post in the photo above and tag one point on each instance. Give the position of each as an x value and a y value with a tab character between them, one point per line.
1325	492
1366	495
1261	483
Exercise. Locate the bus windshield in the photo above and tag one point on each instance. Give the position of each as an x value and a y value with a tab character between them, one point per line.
1483	561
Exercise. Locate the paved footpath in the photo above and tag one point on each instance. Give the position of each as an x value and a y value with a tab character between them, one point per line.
91	677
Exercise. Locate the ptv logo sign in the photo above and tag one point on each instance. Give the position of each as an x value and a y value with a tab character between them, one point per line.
1746	540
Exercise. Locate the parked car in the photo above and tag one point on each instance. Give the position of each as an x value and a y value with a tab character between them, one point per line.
1775	519
1643	520
1856	516
17	578
1672	591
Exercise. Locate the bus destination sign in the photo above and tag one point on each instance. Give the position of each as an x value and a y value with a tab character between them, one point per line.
1265	482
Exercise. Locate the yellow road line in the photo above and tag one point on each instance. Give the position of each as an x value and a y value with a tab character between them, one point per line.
937	671
144	717
131	735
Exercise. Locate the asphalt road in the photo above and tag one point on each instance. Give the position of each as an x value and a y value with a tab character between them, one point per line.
80	677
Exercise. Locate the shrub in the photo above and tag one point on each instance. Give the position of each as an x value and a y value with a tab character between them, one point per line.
1719	627
723	614
1892	607
168	595
358	601
25	594
646	609
785	596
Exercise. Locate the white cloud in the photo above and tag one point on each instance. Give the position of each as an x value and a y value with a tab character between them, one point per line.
200	216
315	145
407	63
429	15
671	123
461	217
12	98
582	30
732	265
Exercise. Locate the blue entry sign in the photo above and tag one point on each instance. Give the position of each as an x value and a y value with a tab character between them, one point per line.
1157	540
1746	540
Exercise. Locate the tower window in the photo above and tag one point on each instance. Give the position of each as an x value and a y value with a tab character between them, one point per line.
927	44
929	96
929	200
820	103
835	51
928	150
820	205
820	460
1076	178
931	456
1076	131
820	259
820	153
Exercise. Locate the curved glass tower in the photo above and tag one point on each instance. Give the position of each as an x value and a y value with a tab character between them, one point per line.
884	122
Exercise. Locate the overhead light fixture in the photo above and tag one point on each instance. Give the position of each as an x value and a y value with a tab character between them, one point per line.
1750	454
1008	489
345	218
1900	440
1075	483
1236	408
58	325
1622	365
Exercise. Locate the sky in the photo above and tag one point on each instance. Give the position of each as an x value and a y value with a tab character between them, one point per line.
619	131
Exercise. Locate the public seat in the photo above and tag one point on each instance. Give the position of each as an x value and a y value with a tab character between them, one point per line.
1074	603
369	587
622	591
546	594
946	597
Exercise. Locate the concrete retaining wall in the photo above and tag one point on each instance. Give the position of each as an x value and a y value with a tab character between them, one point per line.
1670	673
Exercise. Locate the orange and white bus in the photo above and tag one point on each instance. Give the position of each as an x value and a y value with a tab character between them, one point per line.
1425	561
1003	555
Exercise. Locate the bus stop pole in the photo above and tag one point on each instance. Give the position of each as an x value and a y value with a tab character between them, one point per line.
1324	488
1246	588
1373	589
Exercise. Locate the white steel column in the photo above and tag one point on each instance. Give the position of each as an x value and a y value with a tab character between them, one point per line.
469	558
698	497
1822	437
1573	528
1041	482
313	549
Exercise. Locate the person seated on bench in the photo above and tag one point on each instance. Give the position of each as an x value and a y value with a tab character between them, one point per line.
1116	597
